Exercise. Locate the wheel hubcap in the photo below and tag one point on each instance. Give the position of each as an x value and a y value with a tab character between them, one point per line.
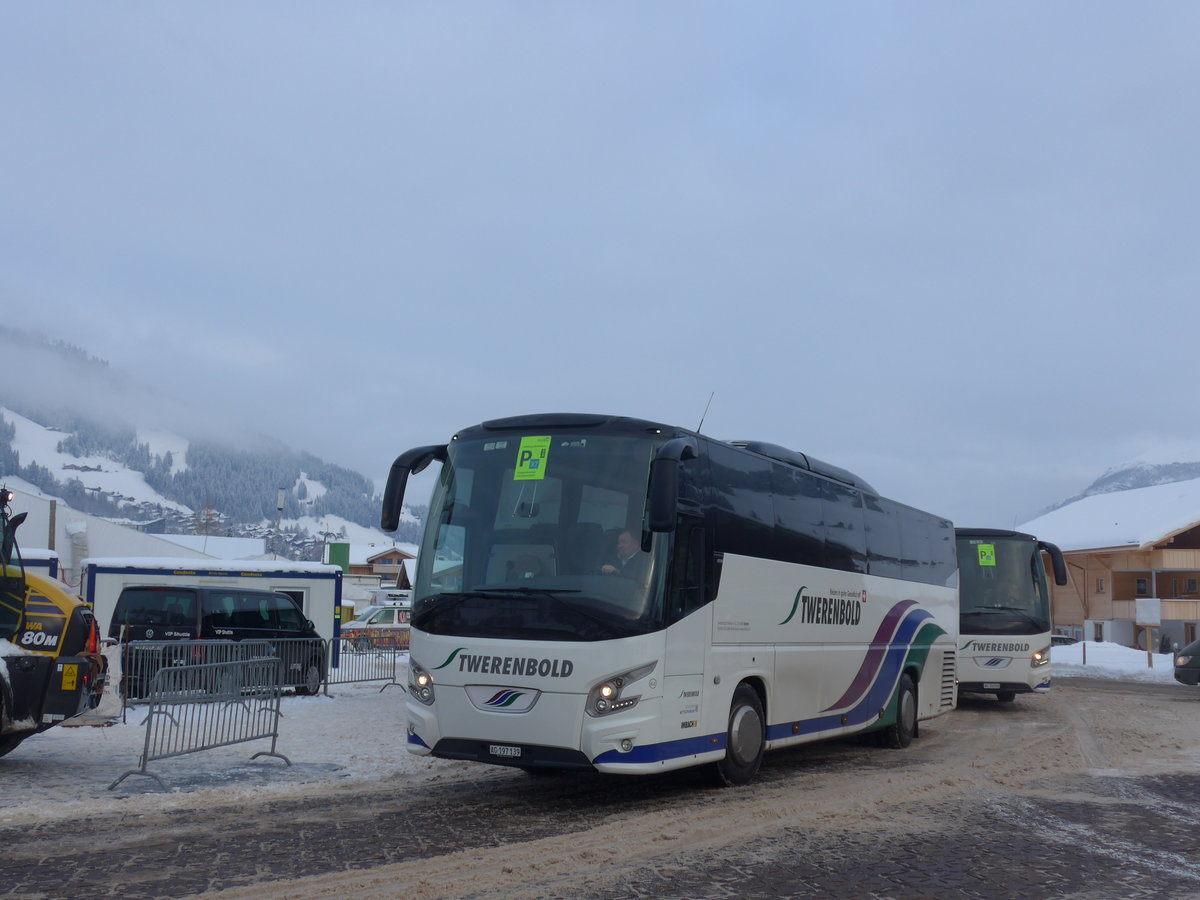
745	735
908	711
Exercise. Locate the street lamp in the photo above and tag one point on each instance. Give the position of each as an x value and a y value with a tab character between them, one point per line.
325	537
279	497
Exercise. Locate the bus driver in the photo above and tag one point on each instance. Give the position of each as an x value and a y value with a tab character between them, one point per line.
630	561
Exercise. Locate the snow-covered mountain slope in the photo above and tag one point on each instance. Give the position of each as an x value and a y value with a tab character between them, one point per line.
99	474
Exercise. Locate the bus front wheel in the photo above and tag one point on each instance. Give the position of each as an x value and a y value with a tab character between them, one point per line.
900	733
745	739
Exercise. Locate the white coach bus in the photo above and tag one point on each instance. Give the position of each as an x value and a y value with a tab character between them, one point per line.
1004	622
620	595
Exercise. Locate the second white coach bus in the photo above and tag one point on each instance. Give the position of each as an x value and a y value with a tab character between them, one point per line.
1004	603
616	594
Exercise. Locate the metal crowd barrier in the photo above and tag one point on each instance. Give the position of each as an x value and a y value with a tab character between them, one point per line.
197	707
369	657
142	660
308	664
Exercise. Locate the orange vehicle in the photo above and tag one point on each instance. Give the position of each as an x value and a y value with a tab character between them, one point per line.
51	667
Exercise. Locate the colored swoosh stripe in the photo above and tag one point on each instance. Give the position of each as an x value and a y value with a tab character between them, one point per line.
795	604
907	648
912	640
880	644
653	753
450	658
504	698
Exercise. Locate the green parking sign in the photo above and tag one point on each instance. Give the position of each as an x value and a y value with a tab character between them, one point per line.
531	458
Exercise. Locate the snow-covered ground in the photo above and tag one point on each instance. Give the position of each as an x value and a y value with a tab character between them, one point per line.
1106	660
357	732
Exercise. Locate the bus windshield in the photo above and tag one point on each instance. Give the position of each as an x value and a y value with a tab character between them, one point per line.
1002	586
539	537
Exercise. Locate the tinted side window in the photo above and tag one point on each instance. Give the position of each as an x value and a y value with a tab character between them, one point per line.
845	539
271	611
883	538
219	608
917	553
943	561
742	509
799	516
288	618
148	606
238	609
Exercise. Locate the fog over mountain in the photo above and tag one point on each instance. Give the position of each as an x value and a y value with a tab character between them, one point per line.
75	428
209	470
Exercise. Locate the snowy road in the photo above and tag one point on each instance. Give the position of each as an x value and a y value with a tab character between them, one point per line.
1091	789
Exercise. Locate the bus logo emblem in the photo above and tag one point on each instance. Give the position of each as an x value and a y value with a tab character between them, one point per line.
490	698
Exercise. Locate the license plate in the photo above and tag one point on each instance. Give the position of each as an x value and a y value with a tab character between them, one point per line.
503	750
991	685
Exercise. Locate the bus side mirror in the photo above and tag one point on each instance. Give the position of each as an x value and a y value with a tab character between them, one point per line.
1057	563
408	463
664	482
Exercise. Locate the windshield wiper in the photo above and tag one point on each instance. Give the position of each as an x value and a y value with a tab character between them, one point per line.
1008	611
441	603
527	591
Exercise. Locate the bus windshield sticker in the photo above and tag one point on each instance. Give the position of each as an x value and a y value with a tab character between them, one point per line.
531	458
987	554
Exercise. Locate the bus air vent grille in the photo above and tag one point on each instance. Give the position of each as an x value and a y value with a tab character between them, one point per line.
948	666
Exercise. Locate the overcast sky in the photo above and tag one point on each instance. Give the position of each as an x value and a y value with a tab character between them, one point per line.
949	246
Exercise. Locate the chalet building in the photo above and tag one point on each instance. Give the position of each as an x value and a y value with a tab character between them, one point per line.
389	566
1122	547
385	566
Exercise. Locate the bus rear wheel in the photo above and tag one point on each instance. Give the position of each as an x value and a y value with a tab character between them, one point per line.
745	739
900	733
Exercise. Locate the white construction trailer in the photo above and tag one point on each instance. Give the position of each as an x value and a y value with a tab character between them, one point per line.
315	586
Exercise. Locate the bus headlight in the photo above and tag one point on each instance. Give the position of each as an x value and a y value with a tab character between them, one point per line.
1040	657
420	683
611	695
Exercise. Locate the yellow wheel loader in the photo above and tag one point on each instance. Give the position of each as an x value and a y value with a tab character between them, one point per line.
51	667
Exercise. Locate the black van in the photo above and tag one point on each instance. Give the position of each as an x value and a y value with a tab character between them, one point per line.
189	613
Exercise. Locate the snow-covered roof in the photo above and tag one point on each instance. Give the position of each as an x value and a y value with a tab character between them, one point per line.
391	550
360	554
1134	518
191	564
